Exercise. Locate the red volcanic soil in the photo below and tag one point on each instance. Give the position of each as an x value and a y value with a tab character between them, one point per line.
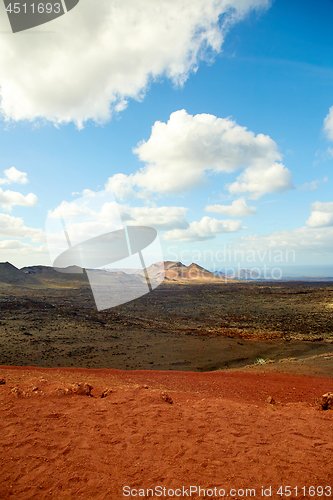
224	430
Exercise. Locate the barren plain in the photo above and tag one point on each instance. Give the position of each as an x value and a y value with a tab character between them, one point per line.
197	326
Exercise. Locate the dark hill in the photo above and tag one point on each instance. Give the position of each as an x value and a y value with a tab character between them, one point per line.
12	276
47	273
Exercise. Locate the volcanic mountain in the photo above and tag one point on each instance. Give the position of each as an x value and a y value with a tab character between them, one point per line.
175	271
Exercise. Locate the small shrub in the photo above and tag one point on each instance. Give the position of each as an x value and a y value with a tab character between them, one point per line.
260	361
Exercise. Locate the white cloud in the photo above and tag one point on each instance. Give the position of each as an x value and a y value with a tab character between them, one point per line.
303	240
160	218
14	175
122	185
321	215
238	208
323	206
262	179
315	238
10	198
23	254
328	124
83	218
179	154
94	214
206	229
13	227
103	53
68	210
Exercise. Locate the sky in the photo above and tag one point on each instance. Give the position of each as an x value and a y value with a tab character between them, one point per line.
208	120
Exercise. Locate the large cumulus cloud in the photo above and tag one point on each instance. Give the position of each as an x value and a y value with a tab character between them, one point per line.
89	62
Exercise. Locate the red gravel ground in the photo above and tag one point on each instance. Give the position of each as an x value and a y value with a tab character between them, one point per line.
168	429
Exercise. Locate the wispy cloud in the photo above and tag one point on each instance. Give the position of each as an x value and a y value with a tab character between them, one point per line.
313	185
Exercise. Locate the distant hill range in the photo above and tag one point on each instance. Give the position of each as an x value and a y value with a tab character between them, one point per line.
240	274
172	271
246	274
43	275
49	276
47	273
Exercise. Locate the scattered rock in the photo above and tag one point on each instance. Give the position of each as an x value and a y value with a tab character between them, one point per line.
326	401
165	396
270	400
2	381
106	393
18	392
59	391
81	389
78	389
34	389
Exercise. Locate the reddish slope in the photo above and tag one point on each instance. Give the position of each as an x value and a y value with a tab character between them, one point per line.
161	429
175	271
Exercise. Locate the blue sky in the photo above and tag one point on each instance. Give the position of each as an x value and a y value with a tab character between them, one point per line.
213	126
